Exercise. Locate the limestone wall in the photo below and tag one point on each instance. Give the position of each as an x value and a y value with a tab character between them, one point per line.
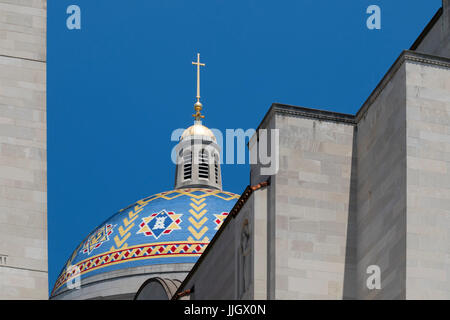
428	181
23	29
23	163
313	198
437	40
381	189
260	241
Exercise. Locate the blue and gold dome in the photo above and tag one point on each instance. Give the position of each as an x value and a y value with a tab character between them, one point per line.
168	227
165	229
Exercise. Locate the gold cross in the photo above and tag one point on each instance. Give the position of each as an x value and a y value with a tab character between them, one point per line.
198	75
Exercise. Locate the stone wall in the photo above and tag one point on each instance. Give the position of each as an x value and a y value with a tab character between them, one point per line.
260	241
313	206
437	38
23	29
381	188
265	217
23	163
428	180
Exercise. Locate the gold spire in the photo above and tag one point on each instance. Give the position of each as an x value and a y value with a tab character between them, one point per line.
198	106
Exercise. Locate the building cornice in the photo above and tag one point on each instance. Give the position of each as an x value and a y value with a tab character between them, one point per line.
405	56
427	29
296	111
324	115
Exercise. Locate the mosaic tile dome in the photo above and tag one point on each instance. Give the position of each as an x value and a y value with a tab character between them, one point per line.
165	228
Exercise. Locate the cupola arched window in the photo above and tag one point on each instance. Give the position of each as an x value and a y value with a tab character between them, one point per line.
216	167
187	165
203	164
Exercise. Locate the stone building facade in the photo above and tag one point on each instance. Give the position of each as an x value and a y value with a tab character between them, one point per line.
23	163
352	191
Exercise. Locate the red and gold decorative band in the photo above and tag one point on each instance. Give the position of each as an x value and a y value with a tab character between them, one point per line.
141	252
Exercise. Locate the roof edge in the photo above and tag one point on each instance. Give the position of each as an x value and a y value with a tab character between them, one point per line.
325	115
427	29
406	55
233	213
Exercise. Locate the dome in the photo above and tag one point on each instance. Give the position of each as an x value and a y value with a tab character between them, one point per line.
198	130
166	228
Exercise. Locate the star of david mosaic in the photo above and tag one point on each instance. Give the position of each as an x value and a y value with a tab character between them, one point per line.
160	223
98	238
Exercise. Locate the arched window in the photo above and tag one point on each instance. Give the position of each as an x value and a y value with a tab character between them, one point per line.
216	168
203	164
187	165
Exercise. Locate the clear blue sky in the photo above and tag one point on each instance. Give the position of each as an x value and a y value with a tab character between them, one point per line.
120	85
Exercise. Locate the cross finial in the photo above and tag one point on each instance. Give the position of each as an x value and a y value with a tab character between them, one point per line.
198	106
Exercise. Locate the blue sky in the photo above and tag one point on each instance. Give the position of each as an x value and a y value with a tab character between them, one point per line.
118	87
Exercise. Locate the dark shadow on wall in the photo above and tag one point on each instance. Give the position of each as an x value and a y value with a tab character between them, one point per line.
350	291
